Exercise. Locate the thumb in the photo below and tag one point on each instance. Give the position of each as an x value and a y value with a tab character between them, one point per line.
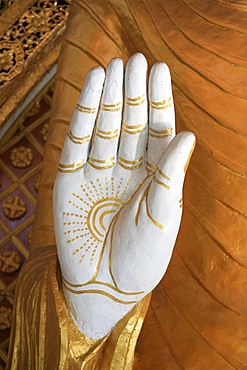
164	200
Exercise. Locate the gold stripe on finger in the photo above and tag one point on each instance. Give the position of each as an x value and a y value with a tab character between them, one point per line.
163	104
160	134
134	129
71	167
181	203
130	165
101	164
83	109
77	139
107	135
134	102
161	183
163	175
111	107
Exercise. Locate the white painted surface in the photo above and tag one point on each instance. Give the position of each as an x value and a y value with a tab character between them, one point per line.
115	222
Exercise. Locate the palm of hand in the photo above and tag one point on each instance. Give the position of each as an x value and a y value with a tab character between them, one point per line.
90	206
117	206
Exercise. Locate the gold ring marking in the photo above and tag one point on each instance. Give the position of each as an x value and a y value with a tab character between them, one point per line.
107	135
108	163
101	160
134	101
111	107
131	162
71	167
134	129
159	105
78	140
160	134
84	109
130	165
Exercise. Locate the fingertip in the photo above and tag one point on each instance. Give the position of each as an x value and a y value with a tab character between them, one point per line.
137	62
160	69
95	77
160	82
116	63
178	154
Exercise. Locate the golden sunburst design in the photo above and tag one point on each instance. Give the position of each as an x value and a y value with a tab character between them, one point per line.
93	210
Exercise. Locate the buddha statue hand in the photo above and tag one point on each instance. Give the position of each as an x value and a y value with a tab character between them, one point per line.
118	192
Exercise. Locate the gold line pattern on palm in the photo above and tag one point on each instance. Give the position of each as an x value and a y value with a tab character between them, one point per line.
161	181
151	167
97	287
90	213
145	198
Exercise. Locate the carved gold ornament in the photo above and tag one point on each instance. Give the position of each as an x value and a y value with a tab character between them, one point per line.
40	21
36	183
9	262
29	237
5	317
11	60
44	132
21	157
14	208
28	33
34	110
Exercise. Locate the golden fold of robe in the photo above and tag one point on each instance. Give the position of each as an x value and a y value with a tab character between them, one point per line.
197	316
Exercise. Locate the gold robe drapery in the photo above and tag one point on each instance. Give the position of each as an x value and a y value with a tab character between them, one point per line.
197	317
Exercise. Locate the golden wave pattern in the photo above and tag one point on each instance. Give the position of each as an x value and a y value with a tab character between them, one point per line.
100	292
97	287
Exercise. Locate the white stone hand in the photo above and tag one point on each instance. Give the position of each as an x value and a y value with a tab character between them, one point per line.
117	204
